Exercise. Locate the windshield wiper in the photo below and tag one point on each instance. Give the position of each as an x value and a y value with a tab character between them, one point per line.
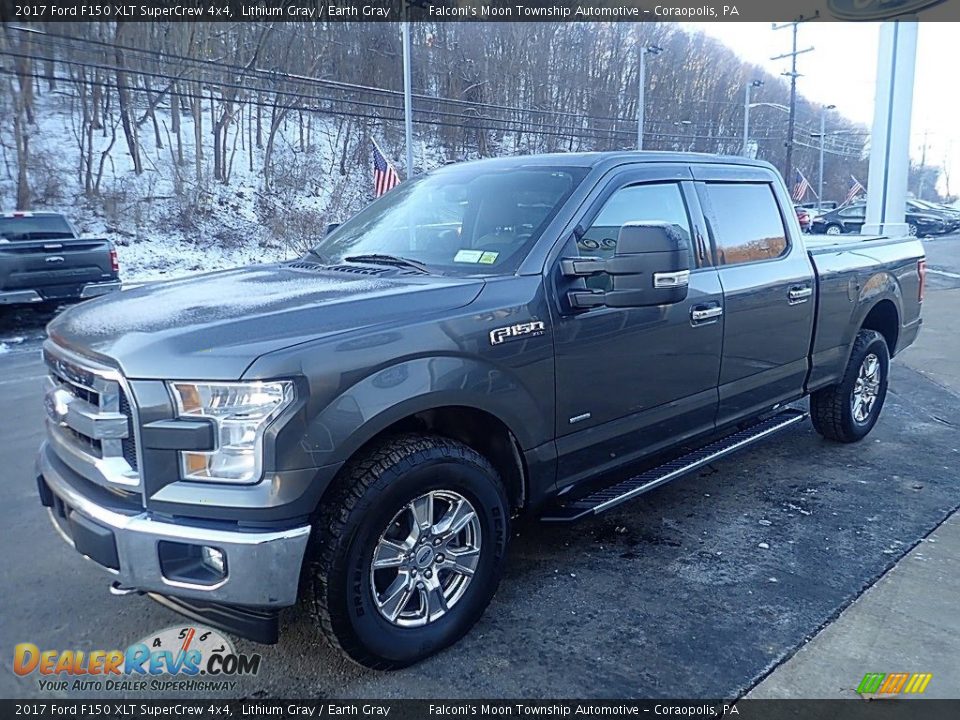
395	260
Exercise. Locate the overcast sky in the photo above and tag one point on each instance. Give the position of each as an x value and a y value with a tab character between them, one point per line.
841	71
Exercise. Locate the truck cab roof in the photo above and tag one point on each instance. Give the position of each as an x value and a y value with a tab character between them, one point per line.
605	160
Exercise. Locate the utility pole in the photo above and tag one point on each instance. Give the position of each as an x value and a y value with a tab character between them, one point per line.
746	115
642	82
793	75
923	166
823	136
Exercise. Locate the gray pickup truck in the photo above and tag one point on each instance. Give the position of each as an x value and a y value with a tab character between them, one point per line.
358	427
45	261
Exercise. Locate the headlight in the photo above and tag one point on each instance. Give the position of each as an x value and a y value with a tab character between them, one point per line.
241	413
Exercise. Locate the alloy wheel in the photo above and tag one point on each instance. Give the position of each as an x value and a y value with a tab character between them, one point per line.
866	389
425	559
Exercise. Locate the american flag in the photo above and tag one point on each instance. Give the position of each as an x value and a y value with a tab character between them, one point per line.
800	189
855	189
385	178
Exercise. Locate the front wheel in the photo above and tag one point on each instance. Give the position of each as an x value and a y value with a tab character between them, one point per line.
834	230
847	411
913	230
408	551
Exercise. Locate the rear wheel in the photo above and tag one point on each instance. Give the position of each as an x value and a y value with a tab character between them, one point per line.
847	411
409	551
913	230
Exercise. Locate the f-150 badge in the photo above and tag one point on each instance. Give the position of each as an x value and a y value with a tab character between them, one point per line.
528	329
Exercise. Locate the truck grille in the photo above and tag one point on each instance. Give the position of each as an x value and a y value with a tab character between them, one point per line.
90	422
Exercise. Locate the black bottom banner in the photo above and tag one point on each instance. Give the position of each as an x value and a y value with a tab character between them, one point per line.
894	709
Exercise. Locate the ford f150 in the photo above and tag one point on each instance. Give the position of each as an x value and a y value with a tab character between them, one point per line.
357	428
43	260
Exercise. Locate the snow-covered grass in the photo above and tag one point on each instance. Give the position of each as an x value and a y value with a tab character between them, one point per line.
168	224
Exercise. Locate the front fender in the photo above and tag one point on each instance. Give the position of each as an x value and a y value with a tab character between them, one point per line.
396	392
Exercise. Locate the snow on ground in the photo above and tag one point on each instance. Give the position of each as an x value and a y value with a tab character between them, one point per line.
164	223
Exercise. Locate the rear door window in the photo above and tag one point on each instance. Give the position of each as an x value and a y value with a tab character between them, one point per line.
746	222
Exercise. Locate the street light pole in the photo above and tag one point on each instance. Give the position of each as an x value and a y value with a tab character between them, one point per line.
823	135
641	85
746	115
407	98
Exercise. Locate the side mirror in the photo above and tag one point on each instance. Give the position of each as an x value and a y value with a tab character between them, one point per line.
650	267
331	227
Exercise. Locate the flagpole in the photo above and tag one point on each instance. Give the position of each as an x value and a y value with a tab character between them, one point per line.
407	97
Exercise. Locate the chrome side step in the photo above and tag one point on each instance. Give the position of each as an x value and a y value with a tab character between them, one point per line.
606	498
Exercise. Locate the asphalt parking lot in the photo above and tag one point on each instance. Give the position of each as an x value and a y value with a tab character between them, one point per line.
697	589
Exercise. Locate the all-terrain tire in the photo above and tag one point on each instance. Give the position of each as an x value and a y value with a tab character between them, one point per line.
370	492
831	408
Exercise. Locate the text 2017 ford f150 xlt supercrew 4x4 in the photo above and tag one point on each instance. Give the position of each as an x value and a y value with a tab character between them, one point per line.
357	428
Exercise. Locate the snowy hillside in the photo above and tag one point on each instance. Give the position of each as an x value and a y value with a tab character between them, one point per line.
166	224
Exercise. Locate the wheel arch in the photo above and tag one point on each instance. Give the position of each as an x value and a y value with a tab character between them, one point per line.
477	428
465	399
884	317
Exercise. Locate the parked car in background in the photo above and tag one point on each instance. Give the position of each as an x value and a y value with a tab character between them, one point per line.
45	261
803	217
819	208
850	219
951	216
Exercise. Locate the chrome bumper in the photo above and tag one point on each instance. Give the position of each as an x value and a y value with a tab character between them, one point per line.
16	297
262	568
92	290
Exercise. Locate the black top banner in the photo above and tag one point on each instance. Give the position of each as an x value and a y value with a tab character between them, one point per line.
475	10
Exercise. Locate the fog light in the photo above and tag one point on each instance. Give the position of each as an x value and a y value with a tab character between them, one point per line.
214	559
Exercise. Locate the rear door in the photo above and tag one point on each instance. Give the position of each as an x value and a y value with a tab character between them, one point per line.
768	289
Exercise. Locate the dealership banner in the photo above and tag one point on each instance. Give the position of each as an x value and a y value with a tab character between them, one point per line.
453	709
475	10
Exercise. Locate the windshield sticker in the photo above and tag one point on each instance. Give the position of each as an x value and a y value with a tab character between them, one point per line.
489	258
468	256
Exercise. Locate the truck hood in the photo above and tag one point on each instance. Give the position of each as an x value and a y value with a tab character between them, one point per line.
212	327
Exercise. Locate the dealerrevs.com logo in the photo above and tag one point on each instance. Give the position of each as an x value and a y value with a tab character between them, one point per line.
178	658
877	9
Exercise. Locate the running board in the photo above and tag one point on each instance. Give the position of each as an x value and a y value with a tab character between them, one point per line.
606	498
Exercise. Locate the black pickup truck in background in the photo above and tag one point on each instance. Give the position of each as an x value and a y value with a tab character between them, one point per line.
45	261
358	427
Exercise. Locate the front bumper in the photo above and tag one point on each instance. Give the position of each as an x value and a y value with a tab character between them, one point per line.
262	567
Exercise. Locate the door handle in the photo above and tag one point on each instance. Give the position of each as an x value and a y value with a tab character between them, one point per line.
799	294
702	313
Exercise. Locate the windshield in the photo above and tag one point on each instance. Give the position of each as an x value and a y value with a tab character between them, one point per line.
35	227
464	220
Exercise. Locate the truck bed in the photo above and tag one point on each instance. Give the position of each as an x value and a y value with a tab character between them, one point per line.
851	272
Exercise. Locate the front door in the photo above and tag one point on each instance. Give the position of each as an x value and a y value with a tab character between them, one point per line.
633	380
